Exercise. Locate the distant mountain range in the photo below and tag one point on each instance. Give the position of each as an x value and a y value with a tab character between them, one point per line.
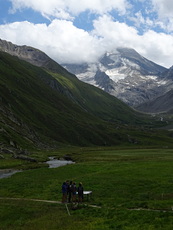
127	75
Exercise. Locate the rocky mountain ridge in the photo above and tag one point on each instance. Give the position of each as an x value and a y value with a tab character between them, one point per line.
34	56
163	103
125	74
24	52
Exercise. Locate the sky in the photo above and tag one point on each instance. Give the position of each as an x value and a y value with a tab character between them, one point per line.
79	31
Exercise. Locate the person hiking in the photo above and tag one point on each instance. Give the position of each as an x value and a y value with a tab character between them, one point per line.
73	189
70	191
80	193
68	188
64	192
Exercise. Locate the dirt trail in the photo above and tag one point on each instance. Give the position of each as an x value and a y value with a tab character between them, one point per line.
28	199
87	205
46	201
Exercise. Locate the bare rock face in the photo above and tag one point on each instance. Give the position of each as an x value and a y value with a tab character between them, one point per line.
162	104
125	74
29	54
33	56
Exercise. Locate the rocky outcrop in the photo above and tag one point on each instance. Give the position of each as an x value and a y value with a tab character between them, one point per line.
162	104
26	53
15	153
33	56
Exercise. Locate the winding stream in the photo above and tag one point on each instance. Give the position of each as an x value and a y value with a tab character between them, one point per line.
52	162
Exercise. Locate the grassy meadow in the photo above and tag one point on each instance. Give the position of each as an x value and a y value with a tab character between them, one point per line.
132	189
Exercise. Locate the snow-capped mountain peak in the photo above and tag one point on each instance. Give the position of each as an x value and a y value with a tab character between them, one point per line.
123	73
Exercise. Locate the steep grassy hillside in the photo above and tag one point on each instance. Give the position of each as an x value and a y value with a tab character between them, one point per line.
44	108
30	108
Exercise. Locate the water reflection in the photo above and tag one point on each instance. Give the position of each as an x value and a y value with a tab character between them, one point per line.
54	163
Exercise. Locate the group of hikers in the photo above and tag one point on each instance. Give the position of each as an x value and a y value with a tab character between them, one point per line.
71	192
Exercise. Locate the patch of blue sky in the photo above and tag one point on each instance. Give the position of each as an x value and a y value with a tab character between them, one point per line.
85	20
4	8
6	16
32	16
118	17
142	17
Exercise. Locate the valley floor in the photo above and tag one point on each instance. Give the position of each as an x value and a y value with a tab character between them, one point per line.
132	189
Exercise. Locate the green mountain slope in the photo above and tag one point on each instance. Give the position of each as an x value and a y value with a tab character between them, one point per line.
30	108
96	101
43	108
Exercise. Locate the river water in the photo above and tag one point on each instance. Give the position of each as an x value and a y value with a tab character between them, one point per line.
52	162
4	173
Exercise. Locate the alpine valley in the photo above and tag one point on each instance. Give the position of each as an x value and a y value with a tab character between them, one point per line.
47	114
43	105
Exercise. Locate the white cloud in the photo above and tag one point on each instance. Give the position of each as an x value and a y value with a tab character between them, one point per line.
163	7
61	40
142	22
157	47
113	33
65	9
164	10
64	42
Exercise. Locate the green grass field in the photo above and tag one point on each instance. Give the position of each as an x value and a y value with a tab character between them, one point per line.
132	189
